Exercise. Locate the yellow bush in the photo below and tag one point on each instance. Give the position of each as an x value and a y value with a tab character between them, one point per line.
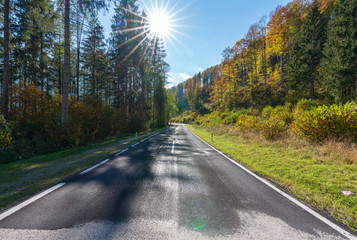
248	122
334	122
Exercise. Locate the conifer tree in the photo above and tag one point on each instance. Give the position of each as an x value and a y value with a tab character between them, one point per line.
340	53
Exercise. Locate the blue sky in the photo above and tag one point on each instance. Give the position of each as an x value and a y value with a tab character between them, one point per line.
209	27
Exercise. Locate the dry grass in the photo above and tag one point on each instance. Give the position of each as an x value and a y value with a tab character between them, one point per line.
338	151
330	151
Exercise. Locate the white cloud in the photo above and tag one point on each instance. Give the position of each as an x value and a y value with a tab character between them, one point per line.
184	76
170	79
168	86
198	69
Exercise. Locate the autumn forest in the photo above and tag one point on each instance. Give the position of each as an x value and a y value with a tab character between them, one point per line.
64	84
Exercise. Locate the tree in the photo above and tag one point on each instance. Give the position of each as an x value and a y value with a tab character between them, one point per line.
92	6
6	77
306	52
340	53
94	49
66	66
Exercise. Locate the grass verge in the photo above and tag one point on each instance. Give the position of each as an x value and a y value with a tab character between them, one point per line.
20	180
295	169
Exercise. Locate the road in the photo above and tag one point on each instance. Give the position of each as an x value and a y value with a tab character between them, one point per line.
171	186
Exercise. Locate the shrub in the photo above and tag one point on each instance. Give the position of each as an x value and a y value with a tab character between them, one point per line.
266	112
272	130
232	118
334	122
248	122
5	133
306	105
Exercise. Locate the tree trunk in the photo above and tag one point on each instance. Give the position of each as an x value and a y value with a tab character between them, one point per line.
78	53
42	75
79	35
93	68
33	61
66	69
265	67
312	80
5	84
142	99
281	70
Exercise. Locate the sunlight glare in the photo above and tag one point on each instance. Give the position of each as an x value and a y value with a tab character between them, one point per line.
159	24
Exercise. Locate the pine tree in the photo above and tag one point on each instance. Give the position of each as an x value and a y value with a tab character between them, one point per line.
94	51
306	53
340	53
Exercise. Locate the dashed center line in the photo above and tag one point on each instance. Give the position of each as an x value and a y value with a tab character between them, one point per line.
173	147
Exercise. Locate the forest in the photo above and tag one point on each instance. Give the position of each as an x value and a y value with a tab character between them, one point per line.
64	84
295	71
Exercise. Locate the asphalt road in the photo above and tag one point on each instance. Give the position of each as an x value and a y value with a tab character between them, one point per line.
171	186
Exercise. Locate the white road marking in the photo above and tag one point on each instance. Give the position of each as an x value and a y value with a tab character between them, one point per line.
35	198
135	144
173	147
306	208
94	167
31	200
121	152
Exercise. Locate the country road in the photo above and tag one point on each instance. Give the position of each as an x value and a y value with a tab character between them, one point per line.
170	186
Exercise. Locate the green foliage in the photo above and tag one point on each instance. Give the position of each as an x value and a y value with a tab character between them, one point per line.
273	129
266	112
340	62
5	134
306	105
323	123
232	118
248	122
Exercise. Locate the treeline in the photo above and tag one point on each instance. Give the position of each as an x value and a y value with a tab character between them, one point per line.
64	84
306	49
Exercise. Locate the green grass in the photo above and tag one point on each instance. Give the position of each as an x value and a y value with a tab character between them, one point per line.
297	170
21	179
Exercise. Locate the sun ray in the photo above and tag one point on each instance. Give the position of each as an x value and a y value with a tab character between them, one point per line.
133	50
160	25
133	38
134	29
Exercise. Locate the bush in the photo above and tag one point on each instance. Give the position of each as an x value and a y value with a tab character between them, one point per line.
248	122
5	133
335	122
266	112
272	130
232	118
306	105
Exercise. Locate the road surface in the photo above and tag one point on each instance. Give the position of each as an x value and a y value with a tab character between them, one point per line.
170	186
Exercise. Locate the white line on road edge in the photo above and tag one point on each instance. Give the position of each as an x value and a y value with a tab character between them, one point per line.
135	144
31	200
94	167
35	198
306	208
123	151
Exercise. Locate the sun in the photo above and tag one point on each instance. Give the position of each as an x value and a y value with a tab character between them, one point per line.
159	23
